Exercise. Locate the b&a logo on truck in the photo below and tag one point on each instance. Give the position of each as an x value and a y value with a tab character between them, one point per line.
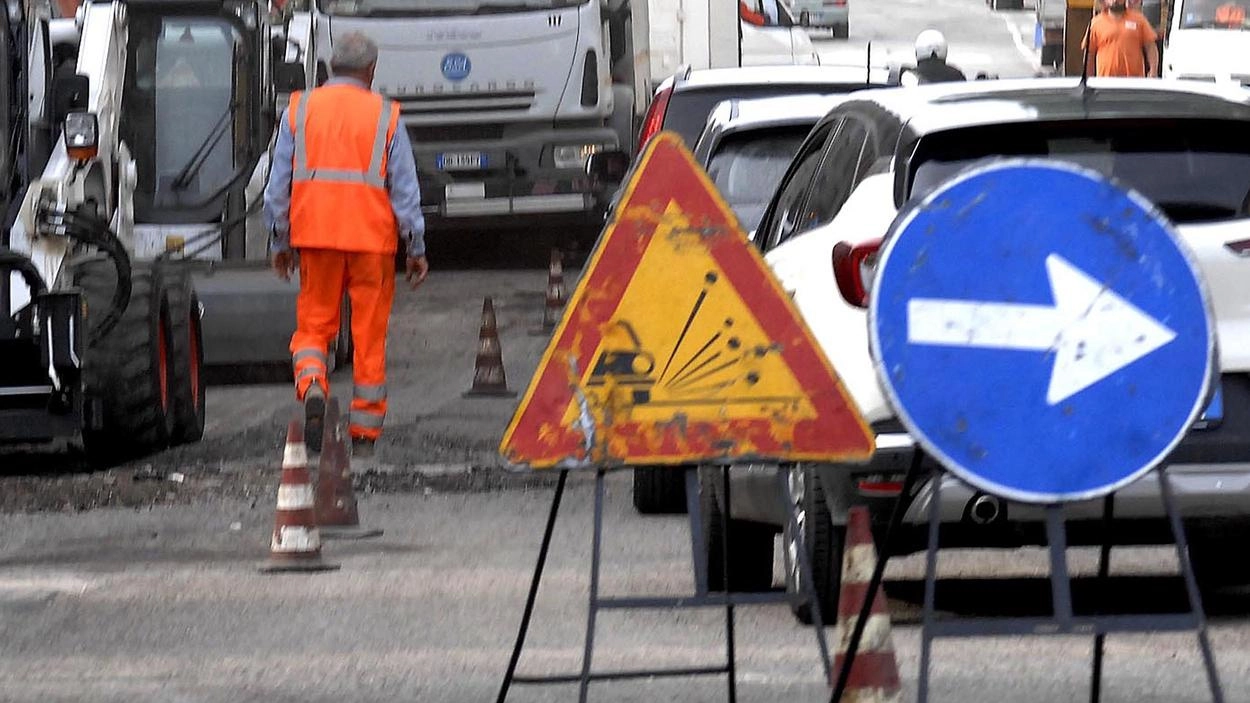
456	66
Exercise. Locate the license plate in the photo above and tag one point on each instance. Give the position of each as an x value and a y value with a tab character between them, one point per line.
1213	413
455	191
461	161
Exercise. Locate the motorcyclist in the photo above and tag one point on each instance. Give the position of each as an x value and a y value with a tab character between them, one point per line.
931	66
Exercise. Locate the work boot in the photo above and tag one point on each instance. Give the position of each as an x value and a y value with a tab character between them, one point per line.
314	417
362	448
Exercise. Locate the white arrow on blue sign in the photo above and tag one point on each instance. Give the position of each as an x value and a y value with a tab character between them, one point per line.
1041	331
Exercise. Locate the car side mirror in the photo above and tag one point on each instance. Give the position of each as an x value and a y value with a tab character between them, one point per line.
69	94
288	77
608	166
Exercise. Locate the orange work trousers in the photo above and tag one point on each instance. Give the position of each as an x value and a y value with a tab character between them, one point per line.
369	280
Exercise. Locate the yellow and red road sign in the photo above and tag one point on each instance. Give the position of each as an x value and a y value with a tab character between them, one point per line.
679	346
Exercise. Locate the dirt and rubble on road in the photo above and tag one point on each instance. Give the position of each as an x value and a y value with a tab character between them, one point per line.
74	486
435	439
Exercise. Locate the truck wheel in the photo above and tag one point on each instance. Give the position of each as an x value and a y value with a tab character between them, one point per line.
842	31
128	370
186	357
823	541
750	543
660	491
622	119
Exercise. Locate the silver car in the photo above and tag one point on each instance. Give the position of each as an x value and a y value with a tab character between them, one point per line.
831	14
747	145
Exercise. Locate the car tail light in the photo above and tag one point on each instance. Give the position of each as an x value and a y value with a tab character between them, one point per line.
654	120
851	264
878	486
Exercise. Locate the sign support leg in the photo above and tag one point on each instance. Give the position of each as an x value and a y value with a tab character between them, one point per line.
806	574
878	572
930	592
698	544
1104	569
533	593
731	666
1191	586
592	613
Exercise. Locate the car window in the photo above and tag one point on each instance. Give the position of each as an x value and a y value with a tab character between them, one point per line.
747	167
790	197
1194	170
836	176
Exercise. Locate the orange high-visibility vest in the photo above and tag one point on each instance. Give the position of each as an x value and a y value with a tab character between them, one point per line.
338	185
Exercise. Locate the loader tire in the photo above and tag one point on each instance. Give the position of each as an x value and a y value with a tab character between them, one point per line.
126	372
186	356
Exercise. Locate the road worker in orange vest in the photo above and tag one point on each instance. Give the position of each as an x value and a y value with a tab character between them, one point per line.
342	193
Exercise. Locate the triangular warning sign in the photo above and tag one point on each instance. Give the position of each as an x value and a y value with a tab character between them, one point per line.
679	346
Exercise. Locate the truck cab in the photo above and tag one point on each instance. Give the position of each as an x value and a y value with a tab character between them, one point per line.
1209	40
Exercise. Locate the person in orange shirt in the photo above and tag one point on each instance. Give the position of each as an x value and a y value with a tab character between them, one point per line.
1121	43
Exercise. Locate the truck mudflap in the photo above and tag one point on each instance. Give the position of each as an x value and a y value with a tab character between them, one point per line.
247	314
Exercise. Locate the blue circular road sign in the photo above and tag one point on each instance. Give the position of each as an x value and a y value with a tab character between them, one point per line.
1041	331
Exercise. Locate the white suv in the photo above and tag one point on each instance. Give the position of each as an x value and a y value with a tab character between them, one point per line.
1181	145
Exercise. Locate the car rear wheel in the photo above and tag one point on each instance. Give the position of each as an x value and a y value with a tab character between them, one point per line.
660	490
750	543
823	541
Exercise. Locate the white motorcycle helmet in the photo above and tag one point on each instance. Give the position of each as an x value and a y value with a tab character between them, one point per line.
930	44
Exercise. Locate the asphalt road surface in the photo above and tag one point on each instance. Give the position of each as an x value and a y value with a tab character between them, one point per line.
980	39
167	605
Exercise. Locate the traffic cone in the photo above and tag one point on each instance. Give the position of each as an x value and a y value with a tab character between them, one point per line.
296	544
874	673
555	299
488	373
337	516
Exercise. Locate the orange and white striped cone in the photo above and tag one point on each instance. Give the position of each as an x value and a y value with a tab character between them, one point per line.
874	674
337	514
296	544
556	297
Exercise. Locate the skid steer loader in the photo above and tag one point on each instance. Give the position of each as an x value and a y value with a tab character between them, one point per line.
134	226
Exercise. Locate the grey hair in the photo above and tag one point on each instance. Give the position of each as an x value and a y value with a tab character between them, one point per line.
353	52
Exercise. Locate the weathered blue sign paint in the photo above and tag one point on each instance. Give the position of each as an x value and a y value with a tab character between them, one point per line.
1041	331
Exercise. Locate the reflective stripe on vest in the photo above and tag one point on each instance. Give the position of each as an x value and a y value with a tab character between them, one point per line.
373	177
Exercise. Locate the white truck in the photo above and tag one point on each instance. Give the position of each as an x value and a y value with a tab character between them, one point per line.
504	100
1208	40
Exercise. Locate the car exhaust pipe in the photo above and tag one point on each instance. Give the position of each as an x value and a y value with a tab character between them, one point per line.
984	509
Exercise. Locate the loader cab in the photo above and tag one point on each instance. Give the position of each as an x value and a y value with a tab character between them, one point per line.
198	111
10	117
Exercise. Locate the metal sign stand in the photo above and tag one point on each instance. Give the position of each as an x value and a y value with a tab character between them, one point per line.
1062	621
700	599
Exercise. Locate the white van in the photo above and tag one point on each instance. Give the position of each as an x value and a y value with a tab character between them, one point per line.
1209	41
